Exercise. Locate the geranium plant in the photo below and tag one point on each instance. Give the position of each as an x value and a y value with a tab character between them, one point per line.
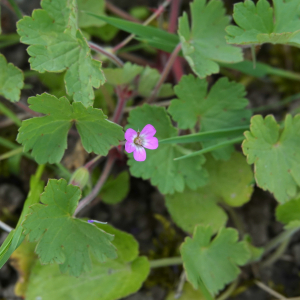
182	122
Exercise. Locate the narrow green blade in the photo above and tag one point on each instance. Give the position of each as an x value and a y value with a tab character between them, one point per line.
205	136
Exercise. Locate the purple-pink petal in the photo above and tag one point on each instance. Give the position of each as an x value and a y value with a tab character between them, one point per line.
130	135
150	143
129	147
148	131
139	154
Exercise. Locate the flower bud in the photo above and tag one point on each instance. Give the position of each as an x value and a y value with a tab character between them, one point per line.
80	177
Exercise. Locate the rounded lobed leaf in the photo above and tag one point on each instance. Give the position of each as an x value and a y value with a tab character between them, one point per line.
275	155
60	237
47	135
56	44
258	25
204	45
202	257
11	80
222	107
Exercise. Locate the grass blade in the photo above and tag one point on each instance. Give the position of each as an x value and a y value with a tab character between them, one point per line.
205	136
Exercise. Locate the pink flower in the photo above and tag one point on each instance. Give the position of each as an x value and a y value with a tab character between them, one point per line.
136	141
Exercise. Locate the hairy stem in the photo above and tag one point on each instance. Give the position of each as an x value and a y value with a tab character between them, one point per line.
113	58
164	73
173	23
165	262
90	164
95	191
160	10
120	106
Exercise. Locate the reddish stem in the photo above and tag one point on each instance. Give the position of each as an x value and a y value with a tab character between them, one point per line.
120	106
178	69
119	12
175	7
109	55
95	191
164	73
173	23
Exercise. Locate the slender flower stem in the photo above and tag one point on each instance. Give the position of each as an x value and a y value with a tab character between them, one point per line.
164	73
120	106
175	7
109	55
89	165
160	10
165	262
173	24
90	197
119	12
5	227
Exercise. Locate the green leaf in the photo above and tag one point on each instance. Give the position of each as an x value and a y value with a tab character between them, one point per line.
289	212
155	37
258	25
84	6
146	81
159	166
256	252
275	155
115	189
110	281
222	107
125	75
204	45
192	208
11	80
62	238
55	83
56	45
205	136
167	42
261	70
47	136
231	180
215	262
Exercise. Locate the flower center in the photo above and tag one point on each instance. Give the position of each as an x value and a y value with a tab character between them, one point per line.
138	141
